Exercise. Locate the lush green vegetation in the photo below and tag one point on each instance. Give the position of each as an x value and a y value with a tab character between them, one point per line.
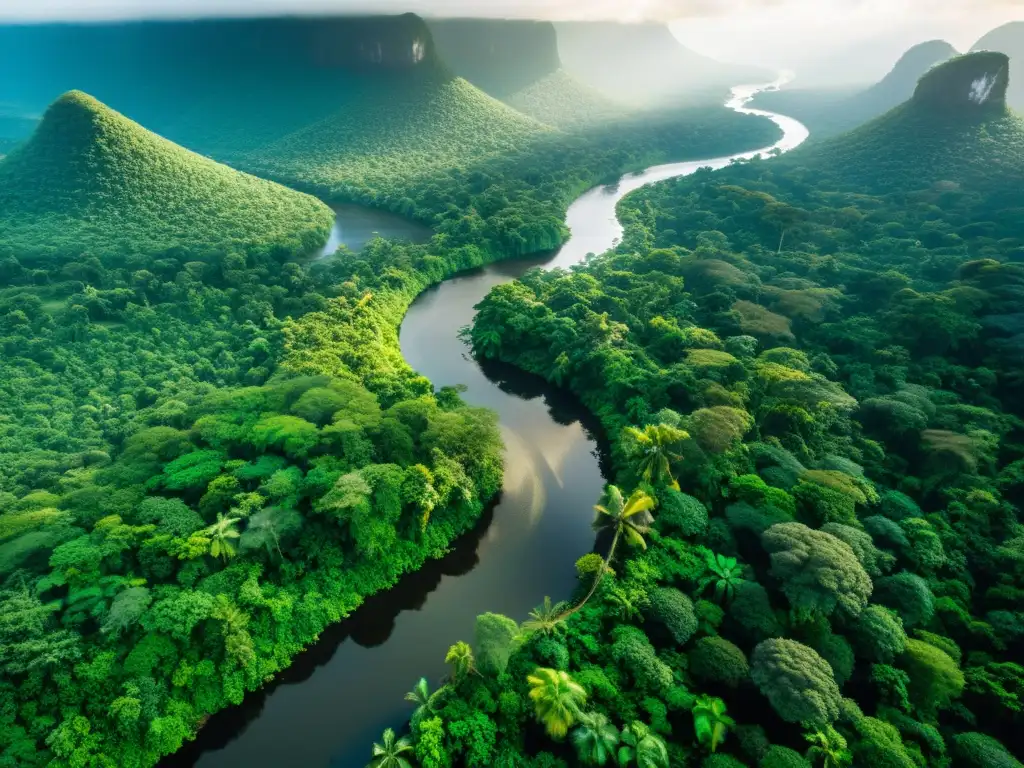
812	547
432	125
559	99
940	136
90	181
207	447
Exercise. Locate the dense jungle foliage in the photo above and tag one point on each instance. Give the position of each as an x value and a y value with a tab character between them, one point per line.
206	451
514	203
92	181
432	125
559	99
812	551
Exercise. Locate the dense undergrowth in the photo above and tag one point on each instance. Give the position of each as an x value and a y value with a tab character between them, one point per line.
206	452
811	391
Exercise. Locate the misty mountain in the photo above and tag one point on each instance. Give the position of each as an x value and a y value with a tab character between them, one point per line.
1009	39
518	63
828	112
217	86
644	64
956	129
499	56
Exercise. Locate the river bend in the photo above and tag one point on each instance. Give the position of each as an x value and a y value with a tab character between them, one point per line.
338	696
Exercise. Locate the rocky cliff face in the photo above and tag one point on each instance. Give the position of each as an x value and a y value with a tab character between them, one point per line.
973	84
53	51
500	56
1009	39
156	71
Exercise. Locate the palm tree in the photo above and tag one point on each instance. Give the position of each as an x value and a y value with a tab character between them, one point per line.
221	534
391	753
710	722
642	747
547	618
460	659
557	699
830	746
651	449
595	739
420	696
630	518
726	574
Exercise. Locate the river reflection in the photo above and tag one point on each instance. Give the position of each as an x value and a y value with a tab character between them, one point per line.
340	694
356	225
525	548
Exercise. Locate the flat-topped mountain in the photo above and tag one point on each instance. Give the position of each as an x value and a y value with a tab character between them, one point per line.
218	86
831	112
1009	39
90	180
966	87
644	64
956	129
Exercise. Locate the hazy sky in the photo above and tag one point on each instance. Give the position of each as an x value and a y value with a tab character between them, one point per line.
770	32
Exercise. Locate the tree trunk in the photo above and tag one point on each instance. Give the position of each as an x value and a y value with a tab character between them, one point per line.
597	581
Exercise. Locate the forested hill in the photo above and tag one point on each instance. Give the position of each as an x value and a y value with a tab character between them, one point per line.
956	129
809	369
1009	39
216	86
644	64
828	113
91	180
518	62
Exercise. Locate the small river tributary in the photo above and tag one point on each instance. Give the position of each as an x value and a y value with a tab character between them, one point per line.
339	696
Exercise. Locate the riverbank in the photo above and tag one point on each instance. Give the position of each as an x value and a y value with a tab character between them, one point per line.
543	516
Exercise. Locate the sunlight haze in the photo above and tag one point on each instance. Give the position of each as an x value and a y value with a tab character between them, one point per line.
848	41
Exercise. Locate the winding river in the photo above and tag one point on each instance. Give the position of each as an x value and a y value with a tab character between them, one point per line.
339	695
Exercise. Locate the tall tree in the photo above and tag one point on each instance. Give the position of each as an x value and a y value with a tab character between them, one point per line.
420	696
630	518
222	535
595	739
391	754
460	659
651	449
557	699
